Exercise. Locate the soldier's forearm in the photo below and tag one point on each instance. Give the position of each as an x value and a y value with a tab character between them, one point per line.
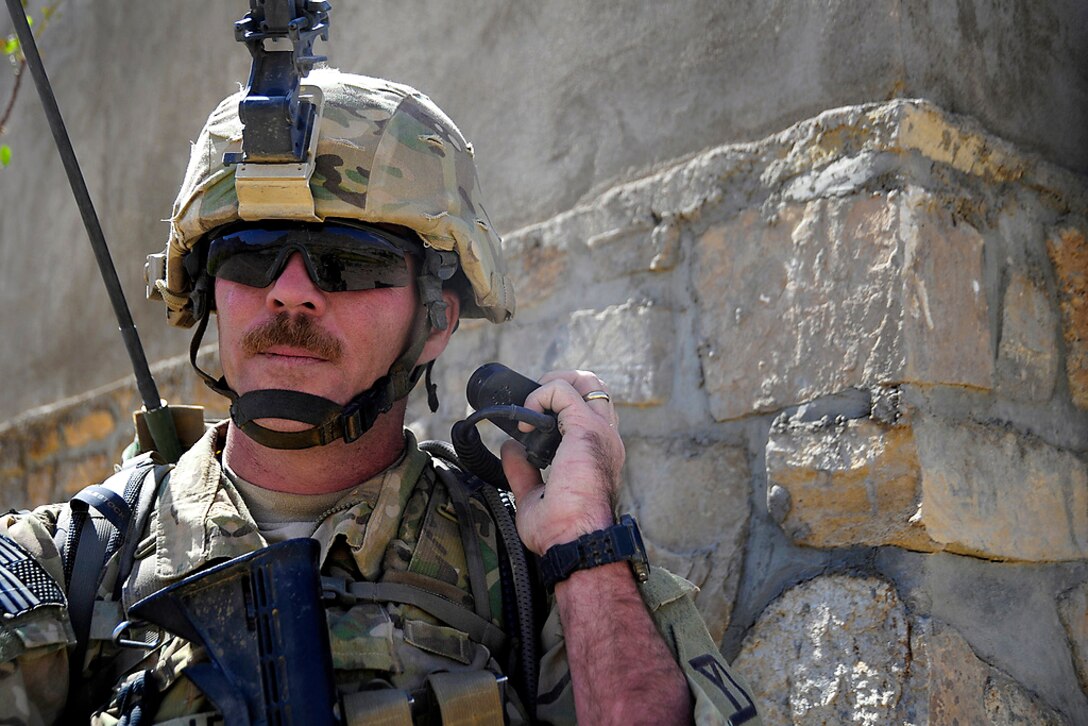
621	669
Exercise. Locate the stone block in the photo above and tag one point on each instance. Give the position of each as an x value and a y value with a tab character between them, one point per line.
851	484
71	476
630	346
829	294
842	649
12	450
929	485
947	680
40	487
1068	249
834	650
990	492
97	424
1007	703
127	401
43	440
538	264
1027	357
948	684
1073	612
530	348
691	499
639	247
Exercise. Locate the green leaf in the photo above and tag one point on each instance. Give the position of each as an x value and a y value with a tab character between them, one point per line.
11	45
47	11
5	154
30	21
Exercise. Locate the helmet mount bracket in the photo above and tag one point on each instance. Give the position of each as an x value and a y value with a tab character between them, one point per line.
281	190
277	119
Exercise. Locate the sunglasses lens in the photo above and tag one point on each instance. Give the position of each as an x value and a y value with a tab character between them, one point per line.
246	256
338	258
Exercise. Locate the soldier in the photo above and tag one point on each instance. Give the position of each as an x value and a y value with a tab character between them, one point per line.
331	300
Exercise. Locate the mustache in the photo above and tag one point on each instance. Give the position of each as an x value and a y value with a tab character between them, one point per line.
300	332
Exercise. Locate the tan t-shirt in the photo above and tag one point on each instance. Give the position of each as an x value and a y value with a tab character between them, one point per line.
281	516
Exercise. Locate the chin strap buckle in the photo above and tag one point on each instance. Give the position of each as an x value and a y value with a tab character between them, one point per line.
353	423
360	413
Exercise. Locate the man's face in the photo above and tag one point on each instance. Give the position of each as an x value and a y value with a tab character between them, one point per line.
293	335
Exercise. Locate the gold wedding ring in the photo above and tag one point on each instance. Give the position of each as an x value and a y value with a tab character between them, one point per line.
597	396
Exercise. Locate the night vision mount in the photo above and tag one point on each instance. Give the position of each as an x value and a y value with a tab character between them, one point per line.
278	120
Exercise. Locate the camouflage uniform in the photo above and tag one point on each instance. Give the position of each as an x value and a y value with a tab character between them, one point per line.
398	526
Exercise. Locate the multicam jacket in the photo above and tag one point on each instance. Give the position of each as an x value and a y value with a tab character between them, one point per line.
400	526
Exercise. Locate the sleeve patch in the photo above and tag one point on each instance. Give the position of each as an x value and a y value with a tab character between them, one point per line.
24	583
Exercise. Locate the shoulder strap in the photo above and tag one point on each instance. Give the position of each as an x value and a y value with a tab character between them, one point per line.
519	579
98	521
474	560
522	594
444	609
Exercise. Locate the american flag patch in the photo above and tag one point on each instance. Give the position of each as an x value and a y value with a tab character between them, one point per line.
24	583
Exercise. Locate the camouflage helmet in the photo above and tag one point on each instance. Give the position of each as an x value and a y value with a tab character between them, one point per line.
383	153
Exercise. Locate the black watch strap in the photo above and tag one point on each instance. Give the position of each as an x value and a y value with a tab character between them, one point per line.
621	541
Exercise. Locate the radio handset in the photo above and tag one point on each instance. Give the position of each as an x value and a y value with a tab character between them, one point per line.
498	394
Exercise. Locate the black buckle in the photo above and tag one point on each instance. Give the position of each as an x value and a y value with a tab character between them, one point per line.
357	418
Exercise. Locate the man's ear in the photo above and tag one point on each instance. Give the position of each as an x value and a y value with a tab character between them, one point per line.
437	340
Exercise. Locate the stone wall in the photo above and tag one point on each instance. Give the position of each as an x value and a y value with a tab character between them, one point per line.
849	360
848	347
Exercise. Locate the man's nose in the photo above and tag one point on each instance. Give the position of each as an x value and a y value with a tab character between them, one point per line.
294	291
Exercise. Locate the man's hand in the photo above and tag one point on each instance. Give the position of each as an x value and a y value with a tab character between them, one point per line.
585	474
621	670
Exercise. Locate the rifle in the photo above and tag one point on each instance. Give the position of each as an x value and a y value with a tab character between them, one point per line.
260	619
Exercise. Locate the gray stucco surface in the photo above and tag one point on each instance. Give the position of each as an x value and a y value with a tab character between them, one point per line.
562	100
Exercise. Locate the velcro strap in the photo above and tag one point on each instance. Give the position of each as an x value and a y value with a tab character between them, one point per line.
466	526
467	698
316	436
111	505
380	707
449	612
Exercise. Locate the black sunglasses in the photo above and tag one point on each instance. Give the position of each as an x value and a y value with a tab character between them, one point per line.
338	257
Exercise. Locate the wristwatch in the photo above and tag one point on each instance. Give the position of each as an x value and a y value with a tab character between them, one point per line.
621	541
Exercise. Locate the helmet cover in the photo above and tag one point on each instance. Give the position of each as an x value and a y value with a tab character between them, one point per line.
385	153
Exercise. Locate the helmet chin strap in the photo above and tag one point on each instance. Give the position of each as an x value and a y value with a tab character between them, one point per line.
329	420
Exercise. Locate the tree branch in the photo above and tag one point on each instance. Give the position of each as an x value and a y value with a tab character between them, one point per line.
14	93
